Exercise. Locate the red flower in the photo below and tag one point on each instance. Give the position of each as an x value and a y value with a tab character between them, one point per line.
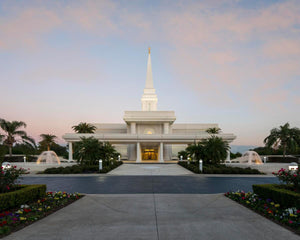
7	187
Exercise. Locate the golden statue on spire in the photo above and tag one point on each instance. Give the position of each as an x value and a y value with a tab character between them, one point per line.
149	49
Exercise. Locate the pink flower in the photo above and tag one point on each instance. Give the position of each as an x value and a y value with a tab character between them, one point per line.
7	187
290	221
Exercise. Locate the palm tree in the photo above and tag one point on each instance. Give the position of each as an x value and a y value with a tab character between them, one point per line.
47	140
12	133
84	128
88	151
195	150
215	149
214	130
285	137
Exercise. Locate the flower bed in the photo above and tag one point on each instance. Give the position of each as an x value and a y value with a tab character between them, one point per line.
288	217
83	169
217	169
15	219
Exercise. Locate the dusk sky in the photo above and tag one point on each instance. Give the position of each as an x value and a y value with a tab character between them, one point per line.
231	62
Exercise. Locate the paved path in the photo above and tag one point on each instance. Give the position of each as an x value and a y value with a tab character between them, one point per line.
150	169
154	216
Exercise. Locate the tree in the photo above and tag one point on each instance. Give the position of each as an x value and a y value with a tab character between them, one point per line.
214	130
47	141
215	150
84	128
285	137
89	150
196	151
183	153
13	134
108	151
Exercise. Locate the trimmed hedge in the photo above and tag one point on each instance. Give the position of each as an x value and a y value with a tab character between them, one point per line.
82	169
218	169
278	193
26	194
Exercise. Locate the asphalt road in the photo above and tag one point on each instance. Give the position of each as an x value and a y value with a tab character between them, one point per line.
105	184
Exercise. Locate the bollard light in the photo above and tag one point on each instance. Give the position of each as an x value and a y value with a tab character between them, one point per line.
25	159
119	158
201	165
100	164
181	157
265	159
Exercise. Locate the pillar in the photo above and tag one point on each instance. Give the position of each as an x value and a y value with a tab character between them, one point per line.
161	152
166	128
133	128
138	152
70	151
228	156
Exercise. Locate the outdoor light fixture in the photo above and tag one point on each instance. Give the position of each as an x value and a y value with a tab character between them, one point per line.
181	157
265	159
201	165
100	164
24	158
293	166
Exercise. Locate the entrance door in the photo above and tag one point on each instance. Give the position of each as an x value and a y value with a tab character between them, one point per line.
149	154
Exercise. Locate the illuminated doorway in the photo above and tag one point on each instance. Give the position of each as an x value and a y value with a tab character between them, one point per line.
149	154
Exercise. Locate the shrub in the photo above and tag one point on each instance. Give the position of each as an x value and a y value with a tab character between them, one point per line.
9	177
289	177
278	193
26	194
107	166
217	169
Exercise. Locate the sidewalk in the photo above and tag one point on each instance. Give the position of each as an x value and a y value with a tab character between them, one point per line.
154	216
150	170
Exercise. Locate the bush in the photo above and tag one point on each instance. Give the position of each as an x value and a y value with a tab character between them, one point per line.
9	177
83	168
217	169
26	194
281	194
289	177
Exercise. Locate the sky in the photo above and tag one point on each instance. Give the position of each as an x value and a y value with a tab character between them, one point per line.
231	62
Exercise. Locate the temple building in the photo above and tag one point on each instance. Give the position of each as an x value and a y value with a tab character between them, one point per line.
149	135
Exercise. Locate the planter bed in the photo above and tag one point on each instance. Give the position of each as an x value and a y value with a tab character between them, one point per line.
286	217
14	219
217	169
76	169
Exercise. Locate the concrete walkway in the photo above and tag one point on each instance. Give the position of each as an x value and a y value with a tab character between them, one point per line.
154	216
150	169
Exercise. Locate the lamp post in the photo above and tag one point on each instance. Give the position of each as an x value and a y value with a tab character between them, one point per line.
201	165
265	159
100	164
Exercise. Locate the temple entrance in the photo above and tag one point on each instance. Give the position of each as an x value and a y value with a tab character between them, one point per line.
150	153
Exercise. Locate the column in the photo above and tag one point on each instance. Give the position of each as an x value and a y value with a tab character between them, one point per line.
70	151
166	128
138	152
228	156
133	128
161	152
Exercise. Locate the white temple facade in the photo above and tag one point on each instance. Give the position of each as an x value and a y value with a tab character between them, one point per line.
149	135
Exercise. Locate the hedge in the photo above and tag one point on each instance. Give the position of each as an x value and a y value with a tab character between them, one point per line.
26	194
278	193
82	169
217	169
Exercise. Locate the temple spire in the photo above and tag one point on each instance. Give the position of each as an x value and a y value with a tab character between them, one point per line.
149	98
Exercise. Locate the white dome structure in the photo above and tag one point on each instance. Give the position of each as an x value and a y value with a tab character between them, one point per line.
250	157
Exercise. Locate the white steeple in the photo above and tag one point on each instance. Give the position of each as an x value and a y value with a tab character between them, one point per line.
149	98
